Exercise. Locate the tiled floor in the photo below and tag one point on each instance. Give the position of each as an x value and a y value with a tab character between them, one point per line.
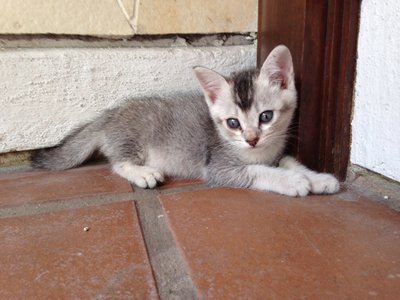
187	241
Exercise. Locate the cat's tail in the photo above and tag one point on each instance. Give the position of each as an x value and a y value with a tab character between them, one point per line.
72	151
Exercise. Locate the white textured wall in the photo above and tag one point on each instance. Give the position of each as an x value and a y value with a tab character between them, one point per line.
46	92
376	121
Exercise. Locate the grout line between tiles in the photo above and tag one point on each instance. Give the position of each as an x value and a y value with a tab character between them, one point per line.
137	215
172	278
55	205
52	206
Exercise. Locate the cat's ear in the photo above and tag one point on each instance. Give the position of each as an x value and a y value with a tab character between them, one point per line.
278	68
211	82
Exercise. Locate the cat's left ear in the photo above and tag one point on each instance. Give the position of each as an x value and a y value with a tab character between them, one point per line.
278	68
211	83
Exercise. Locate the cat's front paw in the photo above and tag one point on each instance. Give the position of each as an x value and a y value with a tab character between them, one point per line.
146	177
323	183
295	184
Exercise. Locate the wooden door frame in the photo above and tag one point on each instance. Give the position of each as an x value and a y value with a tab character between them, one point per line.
322	36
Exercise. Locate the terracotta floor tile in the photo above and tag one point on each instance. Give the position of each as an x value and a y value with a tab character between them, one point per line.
242	244
176	183
50	256
40	186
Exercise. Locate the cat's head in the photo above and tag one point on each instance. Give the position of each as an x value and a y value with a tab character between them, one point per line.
252	109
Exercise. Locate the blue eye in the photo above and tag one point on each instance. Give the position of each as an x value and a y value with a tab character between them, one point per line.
266	116
233	123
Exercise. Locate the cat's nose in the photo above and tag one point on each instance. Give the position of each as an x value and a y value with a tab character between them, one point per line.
251	136
252	142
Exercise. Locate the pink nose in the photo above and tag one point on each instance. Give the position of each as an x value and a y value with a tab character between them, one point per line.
252	142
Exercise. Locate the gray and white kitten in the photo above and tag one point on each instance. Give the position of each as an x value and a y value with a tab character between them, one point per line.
233	136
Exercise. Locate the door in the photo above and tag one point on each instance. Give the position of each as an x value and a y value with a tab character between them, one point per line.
322	36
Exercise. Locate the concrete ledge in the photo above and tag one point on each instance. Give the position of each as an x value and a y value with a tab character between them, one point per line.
90	17
194	16
47	92
122	18
375	186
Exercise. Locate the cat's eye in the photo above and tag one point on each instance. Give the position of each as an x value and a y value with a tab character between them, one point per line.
233	123
266	116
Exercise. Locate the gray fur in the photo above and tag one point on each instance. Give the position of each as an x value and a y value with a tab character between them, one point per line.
187	135
244	88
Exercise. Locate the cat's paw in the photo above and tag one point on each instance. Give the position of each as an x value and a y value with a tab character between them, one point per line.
323	183
142	176
147	178
295	184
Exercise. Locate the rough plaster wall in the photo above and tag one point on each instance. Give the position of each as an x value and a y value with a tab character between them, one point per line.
46	92
376	122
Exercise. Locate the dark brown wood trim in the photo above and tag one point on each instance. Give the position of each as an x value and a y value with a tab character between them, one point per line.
322	36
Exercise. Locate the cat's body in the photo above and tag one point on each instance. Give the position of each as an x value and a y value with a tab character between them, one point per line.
234	137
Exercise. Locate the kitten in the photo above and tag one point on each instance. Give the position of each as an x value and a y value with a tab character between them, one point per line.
233	136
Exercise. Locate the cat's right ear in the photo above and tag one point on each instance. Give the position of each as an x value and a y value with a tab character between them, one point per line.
211	83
